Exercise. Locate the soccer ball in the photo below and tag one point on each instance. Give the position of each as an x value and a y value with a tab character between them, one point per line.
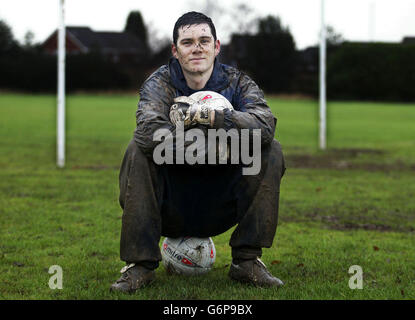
214	99
219	102
188	255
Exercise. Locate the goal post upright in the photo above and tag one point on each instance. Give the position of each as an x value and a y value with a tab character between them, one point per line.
61	87
323	99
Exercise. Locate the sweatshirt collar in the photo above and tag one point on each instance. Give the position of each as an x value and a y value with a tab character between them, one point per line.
217	81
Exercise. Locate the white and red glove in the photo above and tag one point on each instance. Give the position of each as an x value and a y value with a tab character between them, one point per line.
191	112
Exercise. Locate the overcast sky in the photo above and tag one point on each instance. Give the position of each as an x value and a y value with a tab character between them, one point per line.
355	20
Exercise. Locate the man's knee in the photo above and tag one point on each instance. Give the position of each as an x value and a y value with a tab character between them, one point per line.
132	147
133	157
276	157
134	153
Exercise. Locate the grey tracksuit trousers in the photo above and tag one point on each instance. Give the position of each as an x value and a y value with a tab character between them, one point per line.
200	201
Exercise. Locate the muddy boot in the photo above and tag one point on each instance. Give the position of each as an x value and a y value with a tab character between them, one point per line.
133	277
254	272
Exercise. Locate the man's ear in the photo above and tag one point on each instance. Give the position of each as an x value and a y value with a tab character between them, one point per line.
174	50
217	47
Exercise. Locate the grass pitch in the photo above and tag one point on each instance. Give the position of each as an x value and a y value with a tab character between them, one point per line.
350	205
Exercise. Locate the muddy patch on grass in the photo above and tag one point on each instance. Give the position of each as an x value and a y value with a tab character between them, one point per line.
364	226
94	167
344	159
370	227
338	223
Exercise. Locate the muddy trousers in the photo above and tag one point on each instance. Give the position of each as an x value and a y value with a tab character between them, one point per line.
198	201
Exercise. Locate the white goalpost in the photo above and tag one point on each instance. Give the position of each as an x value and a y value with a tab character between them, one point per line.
61	88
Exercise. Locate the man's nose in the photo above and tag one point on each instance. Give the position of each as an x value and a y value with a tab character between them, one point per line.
197	46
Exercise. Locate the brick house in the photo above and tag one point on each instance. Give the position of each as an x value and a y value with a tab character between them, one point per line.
115	46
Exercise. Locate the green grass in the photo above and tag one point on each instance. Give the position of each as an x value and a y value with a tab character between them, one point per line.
350	205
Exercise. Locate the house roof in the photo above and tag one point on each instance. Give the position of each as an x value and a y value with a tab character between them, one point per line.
408	40
105	41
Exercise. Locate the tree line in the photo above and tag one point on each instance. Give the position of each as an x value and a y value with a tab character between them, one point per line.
362	71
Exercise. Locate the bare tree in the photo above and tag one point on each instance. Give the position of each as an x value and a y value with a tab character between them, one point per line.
29	39
333	37
244	19
157	41
239	18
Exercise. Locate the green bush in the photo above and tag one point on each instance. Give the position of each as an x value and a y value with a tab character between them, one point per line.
375	71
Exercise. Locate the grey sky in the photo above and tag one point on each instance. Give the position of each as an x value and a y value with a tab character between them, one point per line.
358	20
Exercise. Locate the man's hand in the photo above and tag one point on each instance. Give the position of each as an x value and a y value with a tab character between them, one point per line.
179	108
191	112
201	113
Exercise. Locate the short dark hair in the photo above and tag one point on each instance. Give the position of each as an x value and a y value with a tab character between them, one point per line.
191	18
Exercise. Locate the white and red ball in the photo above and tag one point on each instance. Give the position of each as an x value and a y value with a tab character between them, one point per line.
213	99
188	255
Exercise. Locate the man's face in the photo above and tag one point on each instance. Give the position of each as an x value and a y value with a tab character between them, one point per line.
196	48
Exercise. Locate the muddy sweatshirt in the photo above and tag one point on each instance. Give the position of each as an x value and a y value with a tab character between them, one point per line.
158	91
